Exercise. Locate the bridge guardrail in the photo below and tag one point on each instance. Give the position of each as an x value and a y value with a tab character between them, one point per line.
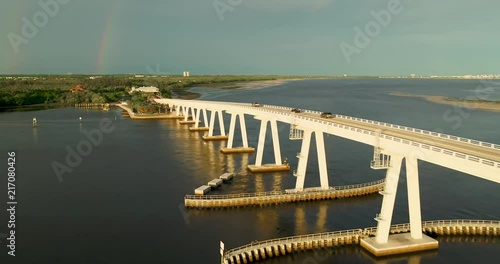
425	132
428	147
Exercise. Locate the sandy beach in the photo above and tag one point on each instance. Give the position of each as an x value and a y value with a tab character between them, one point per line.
186	94
259	84
466	103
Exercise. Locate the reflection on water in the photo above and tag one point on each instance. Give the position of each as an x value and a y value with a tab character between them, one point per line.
321	220
300	222
35	135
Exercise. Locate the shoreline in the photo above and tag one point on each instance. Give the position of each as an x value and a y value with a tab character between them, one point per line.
132	115
478	104
186	94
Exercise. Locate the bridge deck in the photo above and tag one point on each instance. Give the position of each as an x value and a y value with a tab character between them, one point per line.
466	148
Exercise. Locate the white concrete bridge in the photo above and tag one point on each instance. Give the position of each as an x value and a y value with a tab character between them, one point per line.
392	144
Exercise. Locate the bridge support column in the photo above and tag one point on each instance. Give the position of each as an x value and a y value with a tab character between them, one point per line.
323	170
210	136
384	244
197	116
212	124
262	141
303	156
205	118
413	197
221	124
177	110
278	166
391	186
232	127
243	128
276	142
189	111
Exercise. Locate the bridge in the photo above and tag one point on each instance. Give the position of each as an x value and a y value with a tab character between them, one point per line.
392	144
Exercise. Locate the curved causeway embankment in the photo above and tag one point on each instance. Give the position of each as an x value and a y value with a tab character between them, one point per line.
288	245
287	196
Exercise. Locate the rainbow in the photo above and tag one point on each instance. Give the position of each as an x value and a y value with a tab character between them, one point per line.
12	21
105	43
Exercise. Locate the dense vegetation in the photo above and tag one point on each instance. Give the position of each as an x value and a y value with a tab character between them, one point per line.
52	89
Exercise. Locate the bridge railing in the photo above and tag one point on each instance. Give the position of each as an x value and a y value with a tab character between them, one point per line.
425	146
261	194
293	239
402	140
425	132
397	139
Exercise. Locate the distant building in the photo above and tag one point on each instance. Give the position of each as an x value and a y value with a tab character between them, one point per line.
139	76
185	74
78	88
143	89
413	75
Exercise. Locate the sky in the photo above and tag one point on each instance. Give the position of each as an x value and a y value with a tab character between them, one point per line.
304	37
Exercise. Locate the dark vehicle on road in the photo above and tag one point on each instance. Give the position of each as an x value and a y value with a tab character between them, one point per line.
326	115
296	110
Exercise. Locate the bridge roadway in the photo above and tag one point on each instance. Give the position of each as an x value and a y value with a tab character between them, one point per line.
480	151
466	148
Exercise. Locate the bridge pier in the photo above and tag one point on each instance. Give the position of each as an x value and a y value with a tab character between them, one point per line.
384	244
278	166
177	110
189	112
210	136
196	126
229	148
303	156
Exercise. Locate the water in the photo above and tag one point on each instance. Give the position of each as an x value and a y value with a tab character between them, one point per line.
124	202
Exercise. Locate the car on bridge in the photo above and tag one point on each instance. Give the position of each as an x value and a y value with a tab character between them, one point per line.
255	104
296	110
326	115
